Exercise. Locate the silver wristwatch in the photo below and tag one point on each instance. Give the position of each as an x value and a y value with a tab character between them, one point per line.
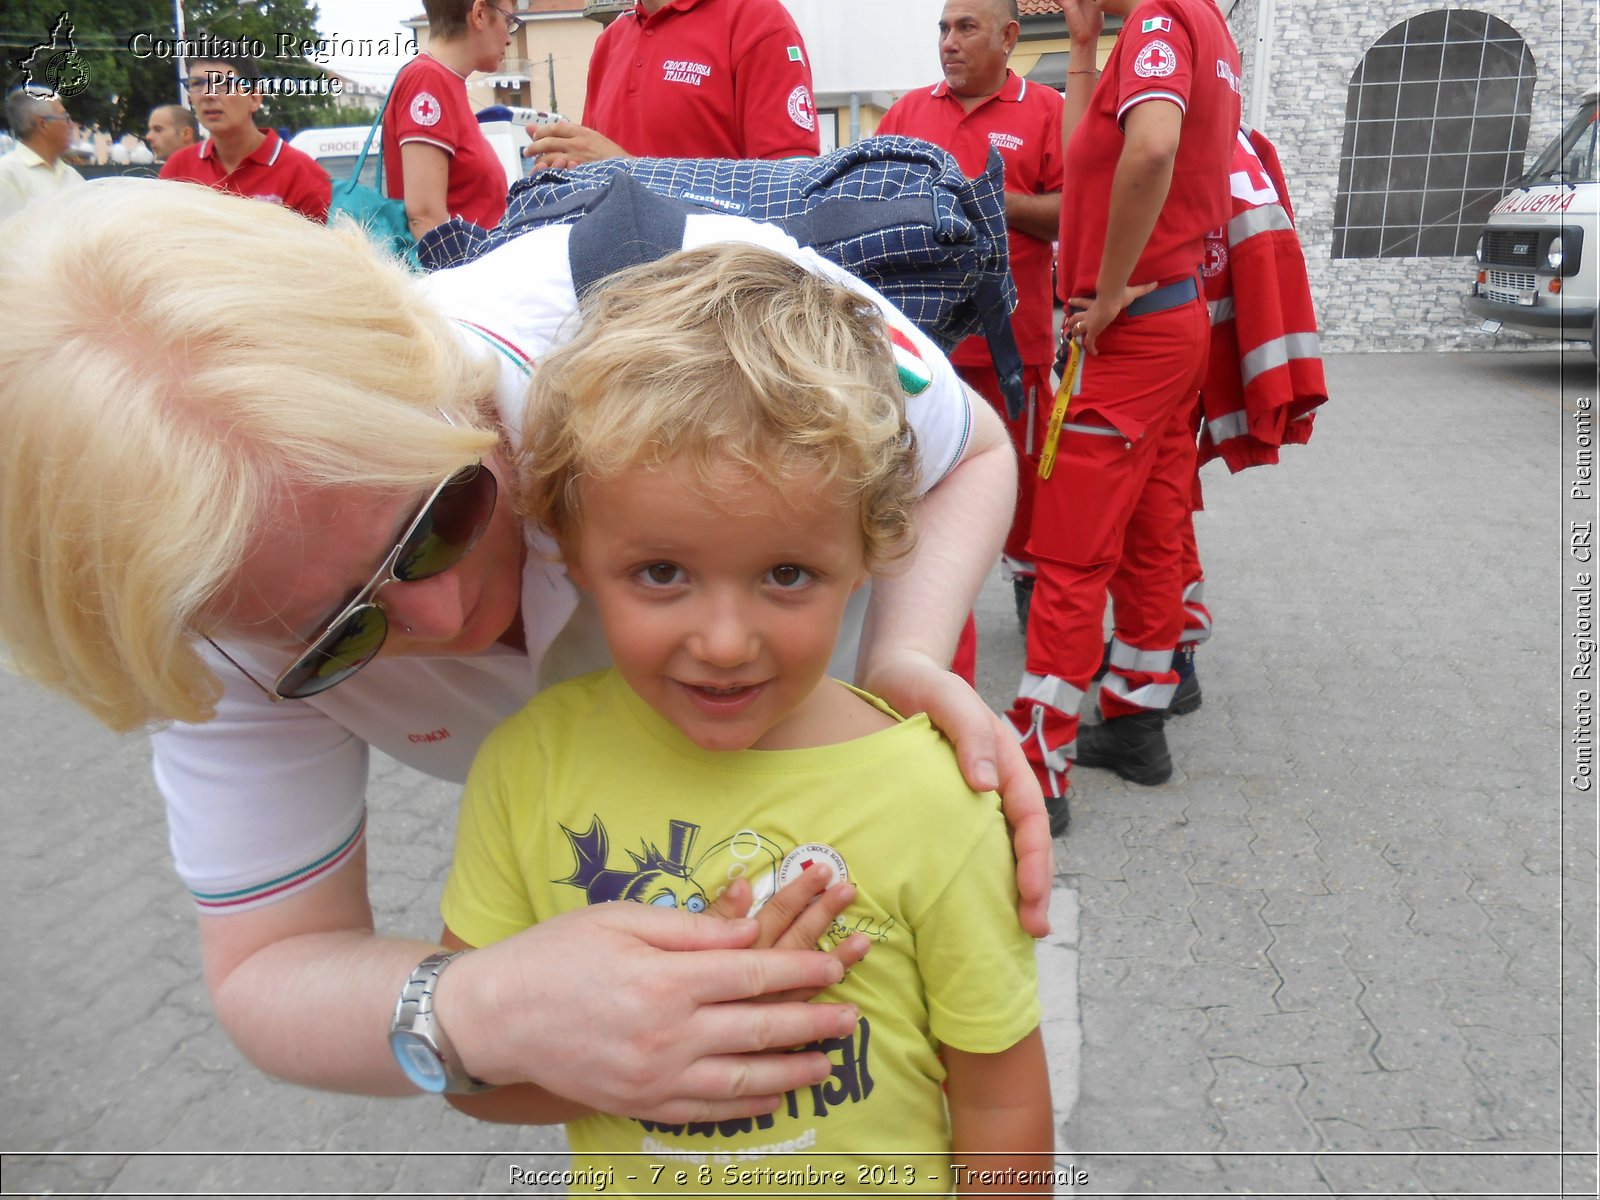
419	1045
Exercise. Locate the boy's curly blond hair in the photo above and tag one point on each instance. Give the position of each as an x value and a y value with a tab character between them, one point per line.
733	358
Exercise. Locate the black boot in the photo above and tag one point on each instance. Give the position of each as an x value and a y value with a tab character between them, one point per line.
1022	591
1134	746
1187	698
1060	816
1105	662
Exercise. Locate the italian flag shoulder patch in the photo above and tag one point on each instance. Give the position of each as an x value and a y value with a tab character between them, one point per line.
915	374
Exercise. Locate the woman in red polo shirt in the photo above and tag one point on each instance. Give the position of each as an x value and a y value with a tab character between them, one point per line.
435	157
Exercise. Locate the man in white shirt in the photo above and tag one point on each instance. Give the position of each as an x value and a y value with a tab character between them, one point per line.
35	169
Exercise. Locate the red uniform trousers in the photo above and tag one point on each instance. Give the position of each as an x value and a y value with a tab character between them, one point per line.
1110	518
1027	437
1196	616
1027	434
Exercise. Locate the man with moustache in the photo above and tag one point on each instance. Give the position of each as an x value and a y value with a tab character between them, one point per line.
981	103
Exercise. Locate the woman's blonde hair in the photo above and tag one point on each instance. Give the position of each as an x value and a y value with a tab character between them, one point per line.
729	356
175	362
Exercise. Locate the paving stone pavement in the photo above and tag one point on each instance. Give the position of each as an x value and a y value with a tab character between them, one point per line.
1326	959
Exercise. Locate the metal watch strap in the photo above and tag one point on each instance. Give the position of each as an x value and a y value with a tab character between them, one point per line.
414	1012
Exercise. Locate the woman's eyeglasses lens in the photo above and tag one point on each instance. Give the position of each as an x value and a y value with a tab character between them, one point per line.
440	536
217	83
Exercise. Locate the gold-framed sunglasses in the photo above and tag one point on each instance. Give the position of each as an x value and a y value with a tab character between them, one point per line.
446	527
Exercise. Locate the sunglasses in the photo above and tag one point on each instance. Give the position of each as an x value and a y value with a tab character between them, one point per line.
444	531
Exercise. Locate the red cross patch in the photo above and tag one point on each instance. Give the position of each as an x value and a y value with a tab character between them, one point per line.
425	109
802	109
1216	260
1155	61
801	857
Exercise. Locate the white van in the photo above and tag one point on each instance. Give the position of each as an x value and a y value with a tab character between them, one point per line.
336	149
1539	256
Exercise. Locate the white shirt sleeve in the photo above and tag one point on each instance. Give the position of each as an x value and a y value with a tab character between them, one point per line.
261	801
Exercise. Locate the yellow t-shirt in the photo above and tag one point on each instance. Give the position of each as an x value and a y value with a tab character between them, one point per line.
588	795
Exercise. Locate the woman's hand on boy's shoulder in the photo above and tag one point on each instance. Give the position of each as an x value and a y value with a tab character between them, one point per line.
990	760
796	916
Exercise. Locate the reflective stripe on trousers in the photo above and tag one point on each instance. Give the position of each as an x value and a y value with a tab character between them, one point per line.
1130	658
1195	614
1151	695
1057	693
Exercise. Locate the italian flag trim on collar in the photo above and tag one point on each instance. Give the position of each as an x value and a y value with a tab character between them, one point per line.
915	374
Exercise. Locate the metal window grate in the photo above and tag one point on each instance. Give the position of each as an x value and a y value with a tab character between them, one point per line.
1436	124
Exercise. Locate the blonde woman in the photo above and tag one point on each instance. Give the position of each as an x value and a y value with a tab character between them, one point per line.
270	511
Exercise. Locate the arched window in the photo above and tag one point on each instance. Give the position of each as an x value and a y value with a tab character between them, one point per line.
1435	127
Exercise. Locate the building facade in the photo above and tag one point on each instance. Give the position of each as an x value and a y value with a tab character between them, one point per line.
1400	125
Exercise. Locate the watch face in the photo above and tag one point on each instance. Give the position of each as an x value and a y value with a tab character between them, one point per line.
418	1060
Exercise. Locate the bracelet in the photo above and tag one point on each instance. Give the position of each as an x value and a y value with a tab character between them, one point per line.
1083	70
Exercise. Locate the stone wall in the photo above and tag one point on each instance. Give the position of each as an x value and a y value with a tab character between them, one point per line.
1389	303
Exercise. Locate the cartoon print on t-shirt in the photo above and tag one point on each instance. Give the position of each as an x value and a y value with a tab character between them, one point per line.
669	879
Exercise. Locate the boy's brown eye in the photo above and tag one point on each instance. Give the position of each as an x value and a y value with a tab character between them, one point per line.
661	573
788	575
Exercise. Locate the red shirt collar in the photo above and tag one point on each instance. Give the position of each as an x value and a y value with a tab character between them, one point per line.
442	65
1010	91
665	11
262	155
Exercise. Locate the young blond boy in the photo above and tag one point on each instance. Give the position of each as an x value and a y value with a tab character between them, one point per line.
723	457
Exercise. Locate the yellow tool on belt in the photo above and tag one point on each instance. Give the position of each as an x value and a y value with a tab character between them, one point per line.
1058	414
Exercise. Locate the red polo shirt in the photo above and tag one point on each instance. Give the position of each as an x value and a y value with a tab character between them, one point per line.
1174	50
428	104
276	172
704	79
1023	122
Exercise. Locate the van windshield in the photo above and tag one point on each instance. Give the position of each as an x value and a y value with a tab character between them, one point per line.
1571	157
